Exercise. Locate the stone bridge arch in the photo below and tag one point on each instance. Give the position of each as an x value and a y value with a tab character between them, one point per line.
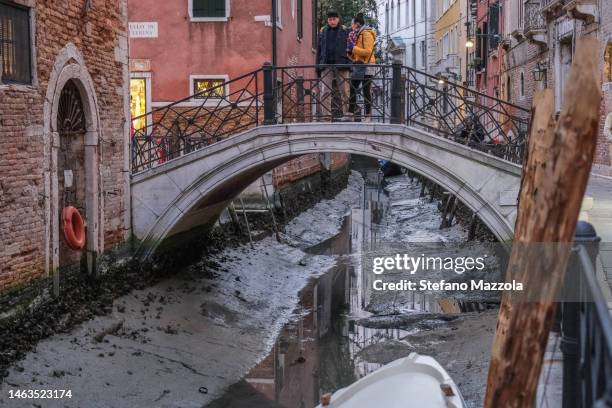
192	190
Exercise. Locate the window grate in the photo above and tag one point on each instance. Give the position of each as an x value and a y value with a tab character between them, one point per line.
15	44
209	8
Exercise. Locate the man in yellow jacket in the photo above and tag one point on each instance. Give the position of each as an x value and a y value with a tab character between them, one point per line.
362	40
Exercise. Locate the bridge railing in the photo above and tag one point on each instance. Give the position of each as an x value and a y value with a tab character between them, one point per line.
197	121
586	328
465	115
323	93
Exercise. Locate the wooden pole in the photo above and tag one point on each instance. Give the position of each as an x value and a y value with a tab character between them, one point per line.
246	221
270	207
555	174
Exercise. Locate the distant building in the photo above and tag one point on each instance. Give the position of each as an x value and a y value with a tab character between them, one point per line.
542	37
450	39
407	28
490	47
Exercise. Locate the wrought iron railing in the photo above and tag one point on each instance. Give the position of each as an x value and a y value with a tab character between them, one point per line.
449	64
302	94
197	121
548	4
586	329
466	116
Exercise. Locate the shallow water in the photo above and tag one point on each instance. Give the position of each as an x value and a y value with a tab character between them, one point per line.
334	338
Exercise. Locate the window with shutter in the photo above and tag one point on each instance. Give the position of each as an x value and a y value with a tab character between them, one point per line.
15	44
493	26
209	9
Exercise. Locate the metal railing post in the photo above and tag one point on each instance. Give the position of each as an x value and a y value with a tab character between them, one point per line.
570	317
299	84
269	104
396	93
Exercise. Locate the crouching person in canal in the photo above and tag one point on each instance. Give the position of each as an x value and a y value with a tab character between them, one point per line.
333	68
362	40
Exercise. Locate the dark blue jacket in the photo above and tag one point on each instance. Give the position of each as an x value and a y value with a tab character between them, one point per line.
340	57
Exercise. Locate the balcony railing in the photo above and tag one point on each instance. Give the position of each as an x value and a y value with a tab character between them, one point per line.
534	20
551	4
448	64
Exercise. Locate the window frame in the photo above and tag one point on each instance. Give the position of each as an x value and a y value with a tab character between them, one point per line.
28	7
208	19
315	25
387	19
399	14
193	78
423	54
148	93
300	19
279	14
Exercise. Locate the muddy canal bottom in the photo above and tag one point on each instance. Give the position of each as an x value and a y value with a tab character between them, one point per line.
341	331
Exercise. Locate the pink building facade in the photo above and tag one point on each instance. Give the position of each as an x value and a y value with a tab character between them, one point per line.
178	47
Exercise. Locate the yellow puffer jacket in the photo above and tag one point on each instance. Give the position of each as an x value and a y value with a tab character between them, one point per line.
364	48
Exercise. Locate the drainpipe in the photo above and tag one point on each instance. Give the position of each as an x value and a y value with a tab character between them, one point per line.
426	46
274	18
414	28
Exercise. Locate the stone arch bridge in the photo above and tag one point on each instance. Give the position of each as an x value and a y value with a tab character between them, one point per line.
191	158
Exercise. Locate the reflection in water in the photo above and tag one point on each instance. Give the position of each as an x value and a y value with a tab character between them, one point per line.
321	349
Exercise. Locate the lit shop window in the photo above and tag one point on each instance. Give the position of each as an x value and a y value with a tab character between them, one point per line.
138	102
209	88
608	64
15	63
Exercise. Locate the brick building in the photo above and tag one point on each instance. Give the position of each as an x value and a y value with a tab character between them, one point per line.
180	48
541	38
489	47
63	104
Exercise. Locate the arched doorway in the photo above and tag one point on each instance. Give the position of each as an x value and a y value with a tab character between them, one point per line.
71	136
71	173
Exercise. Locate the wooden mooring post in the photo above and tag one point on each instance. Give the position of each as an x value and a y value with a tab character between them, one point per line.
555	174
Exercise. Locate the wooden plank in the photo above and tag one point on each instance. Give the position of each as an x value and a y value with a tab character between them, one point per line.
555	174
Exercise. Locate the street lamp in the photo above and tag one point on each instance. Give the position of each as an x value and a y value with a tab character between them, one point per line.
470	42
539	72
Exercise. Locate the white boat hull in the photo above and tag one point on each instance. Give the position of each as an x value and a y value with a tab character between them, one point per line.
412	382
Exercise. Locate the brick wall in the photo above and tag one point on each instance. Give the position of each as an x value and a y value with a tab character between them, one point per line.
21	184
523	56
604	146
98	33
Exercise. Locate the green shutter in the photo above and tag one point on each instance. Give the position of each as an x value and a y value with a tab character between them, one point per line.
209	8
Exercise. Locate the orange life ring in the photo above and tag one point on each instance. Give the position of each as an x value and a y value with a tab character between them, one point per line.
73	227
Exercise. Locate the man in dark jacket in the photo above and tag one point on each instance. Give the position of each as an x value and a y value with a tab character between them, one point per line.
331	50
